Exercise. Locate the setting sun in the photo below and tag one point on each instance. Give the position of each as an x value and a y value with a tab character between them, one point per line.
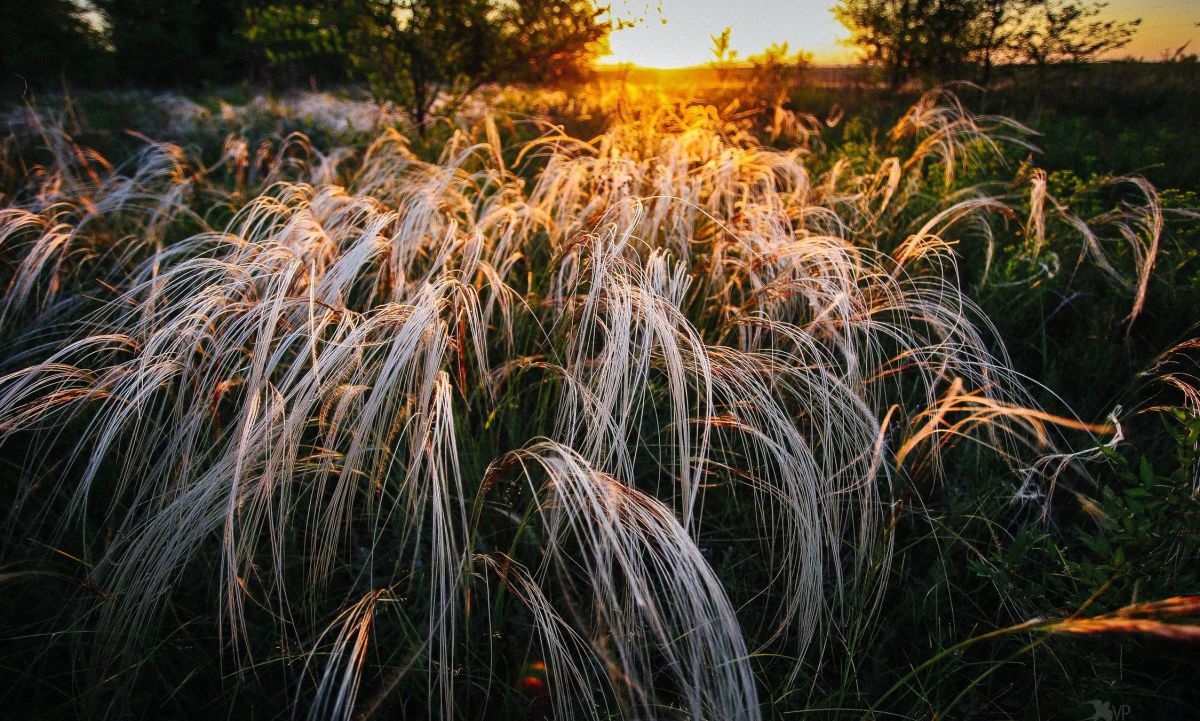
679	35
676	33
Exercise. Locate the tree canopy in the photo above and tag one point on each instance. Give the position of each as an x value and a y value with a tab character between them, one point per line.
412	51
175	42
943	37
48	41
417	51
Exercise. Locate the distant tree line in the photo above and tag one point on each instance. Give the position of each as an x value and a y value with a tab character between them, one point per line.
415	51
406	50
960	38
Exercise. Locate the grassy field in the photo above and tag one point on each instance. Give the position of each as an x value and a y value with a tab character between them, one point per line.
623	402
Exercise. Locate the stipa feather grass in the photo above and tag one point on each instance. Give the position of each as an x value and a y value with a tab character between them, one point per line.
333	388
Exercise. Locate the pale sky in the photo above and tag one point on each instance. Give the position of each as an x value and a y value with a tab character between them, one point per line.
683	39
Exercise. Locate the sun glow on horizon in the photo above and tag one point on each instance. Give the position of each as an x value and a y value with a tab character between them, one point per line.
677	33
680	35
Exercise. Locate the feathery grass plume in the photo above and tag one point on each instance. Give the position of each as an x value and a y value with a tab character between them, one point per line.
1172	618
342	676
235	364
657	606
577	683
951	135
304	409
1137	220
79	222
1177	368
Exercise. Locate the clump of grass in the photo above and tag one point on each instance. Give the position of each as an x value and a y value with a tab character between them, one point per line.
389	400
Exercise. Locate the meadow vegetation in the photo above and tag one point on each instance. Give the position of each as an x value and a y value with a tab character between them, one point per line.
591	404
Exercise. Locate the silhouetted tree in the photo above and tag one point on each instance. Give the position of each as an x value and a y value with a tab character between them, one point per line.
548	41
908	37
947	37
414	52
46	41
175	42
1058	31
296	41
